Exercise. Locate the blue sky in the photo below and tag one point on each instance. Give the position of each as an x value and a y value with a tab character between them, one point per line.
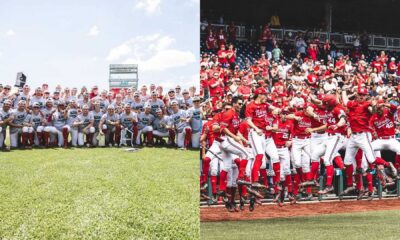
73	42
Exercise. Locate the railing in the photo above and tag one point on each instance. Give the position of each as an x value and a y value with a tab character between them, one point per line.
343	39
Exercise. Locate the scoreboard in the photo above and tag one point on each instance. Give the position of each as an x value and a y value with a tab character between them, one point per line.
123	76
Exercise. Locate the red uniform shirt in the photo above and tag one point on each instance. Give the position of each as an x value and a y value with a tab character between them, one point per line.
284	133
384	124
269	121
333	118
257	113
299	128
230	120
210	134
359	116
222	59
322	115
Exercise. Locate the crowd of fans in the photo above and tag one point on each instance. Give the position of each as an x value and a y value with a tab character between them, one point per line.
67	117
308	82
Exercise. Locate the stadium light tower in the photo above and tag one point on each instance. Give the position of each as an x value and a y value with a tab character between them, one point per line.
123	76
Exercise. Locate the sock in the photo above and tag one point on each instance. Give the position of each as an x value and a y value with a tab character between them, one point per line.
264	179
149	136
397	161
205	169
65	136
256	168
46	138
24	138
296	182
39	137
233	193
277	177
314	170
349	175
242	168
369	181
213	184
329	175
288	183
359	181
308	178
237	162
172	135
118	134
188	137
222	180
300	173
31	138
339	162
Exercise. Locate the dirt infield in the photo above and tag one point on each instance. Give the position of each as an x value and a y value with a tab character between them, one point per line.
208	214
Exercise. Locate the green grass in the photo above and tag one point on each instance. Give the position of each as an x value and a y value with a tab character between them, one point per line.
366	225
99	194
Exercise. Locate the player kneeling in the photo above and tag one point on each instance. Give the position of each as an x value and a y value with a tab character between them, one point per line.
18	126
160	128
129	130
145	121
180	121
110	127
84	125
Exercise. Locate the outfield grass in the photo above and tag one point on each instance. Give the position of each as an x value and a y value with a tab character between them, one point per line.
99	194
366	225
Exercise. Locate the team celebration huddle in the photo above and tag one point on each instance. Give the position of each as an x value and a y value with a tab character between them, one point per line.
278	126
66	118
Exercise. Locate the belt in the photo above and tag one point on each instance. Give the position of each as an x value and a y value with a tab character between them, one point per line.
386	137
334	134
302	137
356	133
283	146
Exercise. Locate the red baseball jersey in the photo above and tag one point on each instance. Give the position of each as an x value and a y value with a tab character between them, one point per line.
269	121
301	125
210	135
285	132
333	118
384	124
230	120
257	112
322	115
359	116
244	129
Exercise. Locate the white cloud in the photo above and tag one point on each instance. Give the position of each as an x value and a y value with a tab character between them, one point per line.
152	53
93	31
10	33
150	6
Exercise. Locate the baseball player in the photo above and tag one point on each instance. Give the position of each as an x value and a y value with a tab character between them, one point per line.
38	97
145	122
17	123
137	103
37	121
5	119
260	134
97	114
59	125
282	134
72	114
47	113
110	127
129	121
155	103
84	125
195	122
180	121
160	126
230	146
301	145
361	110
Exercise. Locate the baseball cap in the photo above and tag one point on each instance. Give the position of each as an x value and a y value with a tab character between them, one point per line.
196	98
185	91
154	93
110	107
363	91
49	100
260	90
158	110
36	104
171	90
174	102
147	106
8	101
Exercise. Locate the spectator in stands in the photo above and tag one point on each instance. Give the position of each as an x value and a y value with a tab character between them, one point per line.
301	46
277	53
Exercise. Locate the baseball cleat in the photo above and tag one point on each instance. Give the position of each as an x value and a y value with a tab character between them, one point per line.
370	196
242	201
205	197
327	190
308	197
347	191
214	198
251	205
204	186
257	185
393	170
306	183
361	194
292	198
243	182
224	196
254	192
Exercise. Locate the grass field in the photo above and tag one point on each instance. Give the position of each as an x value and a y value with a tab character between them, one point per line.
365	225
99	194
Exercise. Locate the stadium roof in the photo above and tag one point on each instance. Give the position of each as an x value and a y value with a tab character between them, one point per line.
379	17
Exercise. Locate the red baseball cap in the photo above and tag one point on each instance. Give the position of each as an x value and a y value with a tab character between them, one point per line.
260	90
363	91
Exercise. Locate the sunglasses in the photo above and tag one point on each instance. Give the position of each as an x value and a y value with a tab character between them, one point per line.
240	104
7	88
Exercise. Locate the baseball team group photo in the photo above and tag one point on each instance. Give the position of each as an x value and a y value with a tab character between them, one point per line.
301	134
100	120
